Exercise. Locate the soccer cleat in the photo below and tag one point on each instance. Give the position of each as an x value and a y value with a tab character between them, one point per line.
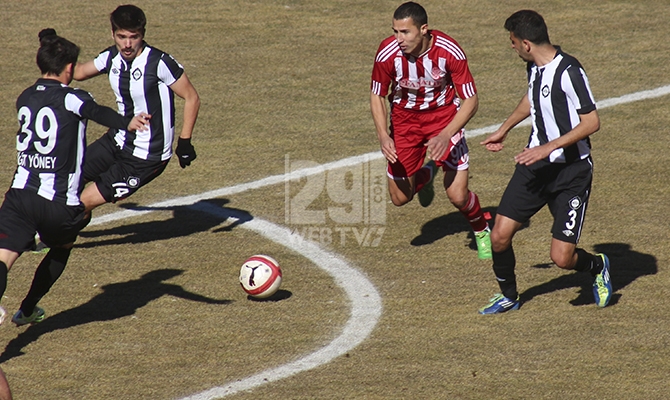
483	240
20	319
500	304
427	192
41	248
3	314
602	286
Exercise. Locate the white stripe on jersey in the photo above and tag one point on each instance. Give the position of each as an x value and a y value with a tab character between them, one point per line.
47	181
468	90
73	103
429	94
376	88
20	178
100	61
75	178
412	76
450	47
441	99
388	51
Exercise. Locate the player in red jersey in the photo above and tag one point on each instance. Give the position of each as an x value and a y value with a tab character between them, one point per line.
432	95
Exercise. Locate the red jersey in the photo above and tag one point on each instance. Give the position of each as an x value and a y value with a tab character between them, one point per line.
430	81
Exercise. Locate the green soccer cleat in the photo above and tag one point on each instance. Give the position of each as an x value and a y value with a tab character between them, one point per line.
602	286
427	192
20	319
483	240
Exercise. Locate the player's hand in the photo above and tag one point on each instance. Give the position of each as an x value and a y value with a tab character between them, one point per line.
494	142
437	146
185	152
388	149
139	122
531	156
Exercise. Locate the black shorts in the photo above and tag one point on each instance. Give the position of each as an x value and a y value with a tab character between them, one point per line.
564	187
118	174
24	213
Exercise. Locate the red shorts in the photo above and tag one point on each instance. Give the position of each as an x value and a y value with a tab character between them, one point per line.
411	130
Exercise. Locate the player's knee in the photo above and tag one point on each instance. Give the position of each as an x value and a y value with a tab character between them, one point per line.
399	199
500	242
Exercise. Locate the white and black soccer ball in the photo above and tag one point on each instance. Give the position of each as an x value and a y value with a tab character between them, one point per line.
260	276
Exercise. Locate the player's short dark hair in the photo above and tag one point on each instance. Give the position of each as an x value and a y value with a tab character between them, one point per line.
412	10
528	25
130	18
55	52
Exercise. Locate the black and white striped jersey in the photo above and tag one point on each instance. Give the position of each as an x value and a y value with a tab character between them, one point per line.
559	92
51	139
143	86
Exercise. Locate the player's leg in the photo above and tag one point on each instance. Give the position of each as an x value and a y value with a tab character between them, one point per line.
91	197
17	232
59	229
401	189
516	206
573	186
48	271
467	202
123	178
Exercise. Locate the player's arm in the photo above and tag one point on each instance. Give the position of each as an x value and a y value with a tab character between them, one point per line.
83	71
589	124
379	113
184	89
520	113
89	109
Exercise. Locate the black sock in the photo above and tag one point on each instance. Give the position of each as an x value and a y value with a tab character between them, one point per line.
3	278
48	272
503	266
587	262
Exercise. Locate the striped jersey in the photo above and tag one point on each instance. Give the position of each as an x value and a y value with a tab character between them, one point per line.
51	139
426	82
142	85
559	92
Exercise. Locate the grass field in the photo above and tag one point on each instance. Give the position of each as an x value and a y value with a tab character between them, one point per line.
150	308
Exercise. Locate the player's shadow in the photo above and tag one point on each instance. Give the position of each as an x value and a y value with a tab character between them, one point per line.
187	220
117	300
451	224
626	265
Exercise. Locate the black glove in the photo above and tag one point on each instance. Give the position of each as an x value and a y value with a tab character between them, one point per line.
185	152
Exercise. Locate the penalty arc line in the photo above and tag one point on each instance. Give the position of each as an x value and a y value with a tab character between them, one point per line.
366	306
336	265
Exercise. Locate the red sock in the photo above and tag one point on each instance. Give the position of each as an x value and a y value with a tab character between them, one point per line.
421	178
473	212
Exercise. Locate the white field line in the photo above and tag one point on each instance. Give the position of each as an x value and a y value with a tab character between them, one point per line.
352	281
615	101
366	306
346	162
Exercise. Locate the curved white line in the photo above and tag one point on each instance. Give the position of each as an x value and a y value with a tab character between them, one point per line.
366	306
337	267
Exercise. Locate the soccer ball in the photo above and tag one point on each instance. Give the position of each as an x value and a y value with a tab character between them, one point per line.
260	276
